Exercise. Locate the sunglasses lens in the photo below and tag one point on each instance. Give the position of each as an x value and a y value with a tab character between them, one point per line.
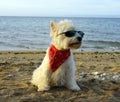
70	33
81	33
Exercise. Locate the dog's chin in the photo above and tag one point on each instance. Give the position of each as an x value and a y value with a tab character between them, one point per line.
75	45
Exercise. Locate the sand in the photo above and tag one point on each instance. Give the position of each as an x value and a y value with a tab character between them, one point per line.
16	70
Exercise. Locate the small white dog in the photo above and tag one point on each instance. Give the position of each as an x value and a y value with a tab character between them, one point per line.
58	67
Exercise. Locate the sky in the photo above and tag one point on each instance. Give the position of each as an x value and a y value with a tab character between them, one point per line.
60	8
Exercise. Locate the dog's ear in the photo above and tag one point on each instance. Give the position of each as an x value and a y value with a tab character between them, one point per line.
53	27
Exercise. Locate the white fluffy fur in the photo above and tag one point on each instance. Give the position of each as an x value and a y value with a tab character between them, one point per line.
42	77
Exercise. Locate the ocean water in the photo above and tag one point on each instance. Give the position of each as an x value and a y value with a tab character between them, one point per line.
32	33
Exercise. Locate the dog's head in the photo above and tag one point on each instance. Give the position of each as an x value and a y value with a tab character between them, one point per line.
65	36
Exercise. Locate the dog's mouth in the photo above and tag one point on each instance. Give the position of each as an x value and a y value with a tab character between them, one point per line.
75	45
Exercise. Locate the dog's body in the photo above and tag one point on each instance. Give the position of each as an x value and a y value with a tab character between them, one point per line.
64	75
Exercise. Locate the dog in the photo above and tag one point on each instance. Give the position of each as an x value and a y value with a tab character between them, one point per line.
58	66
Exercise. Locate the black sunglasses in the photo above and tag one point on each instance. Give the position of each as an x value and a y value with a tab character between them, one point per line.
71	33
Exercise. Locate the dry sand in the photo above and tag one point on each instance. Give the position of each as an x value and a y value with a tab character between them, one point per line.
16	70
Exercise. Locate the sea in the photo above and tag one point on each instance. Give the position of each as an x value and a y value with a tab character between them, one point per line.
33	33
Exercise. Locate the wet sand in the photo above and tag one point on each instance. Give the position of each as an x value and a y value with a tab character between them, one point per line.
98	75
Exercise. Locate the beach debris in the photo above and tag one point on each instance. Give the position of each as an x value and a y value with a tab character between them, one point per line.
113	76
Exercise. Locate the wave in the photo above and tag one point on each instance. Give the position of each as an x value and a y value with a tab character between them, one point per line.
11	45
6	44
113	43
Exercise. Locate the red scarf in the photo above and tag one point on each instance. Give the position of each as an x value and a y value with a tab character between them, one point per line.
57	57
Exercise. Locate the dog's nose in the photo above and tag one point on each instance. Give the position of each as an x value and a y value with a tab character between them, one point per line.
79	38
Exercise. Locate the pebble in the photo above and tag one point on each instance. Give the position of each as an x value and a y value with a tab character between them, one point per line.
103	75
116	77
82	75
103	78
96	73
9	76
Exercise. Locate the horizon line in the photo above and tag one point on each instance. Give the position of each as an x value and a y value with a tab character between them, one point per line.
81	16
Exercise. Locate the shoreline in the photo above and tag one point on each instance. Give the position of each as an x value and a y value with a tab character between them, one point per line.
44	51
97	73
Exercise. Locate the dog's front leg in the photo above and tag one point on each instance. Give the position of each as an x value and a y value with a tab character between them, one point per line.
44	85
71	81
70	77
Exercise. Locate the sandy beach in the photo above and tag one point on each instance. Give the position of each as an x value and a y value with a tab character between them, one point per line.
98	75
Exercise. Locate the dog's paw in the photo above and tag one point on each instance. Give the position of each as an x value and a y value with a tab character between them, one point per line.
75	88
43	89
